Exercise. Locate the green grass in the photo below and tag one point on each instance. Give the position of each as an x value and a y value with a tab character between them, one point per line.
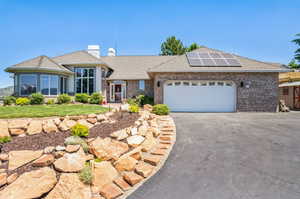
49	110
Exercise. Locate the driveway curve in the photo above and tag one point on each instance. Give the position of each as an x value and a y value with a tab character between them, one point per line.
230	156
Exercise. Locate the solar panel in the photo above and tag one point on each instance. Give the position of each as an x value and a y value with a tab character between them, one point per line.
212	59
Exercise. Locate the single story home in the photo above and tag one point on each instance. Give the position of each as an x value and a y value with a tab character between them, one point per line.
204	80
289	89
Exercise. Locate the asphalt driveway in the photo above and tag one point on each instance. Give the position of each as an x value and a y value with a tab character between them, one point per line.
230	156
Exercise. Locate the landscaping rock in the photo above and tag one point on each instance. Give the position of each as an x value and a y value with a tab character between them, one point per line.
18	124
49	149
149	143
70	187
165	138
44	160
120	135
20	158
60	148
3	179
59	154
122	183
66	124
30	185
12	178
132	178
107	148
159	152
154	131
72	148
148	107
110	191
124	108
85	123
135	140
17	131
71	162
35	126
144	169
142	130
75	117
134	131
125	164
49	126
3	156
153	159
101	118
92	120
4	129
93	115
57	121
104	173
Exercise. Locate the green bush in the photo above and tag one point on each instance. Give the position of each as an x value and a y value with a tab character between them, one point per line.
161	109
22	101
82	97
80	130
63	99
134	108
50	102
9	100
75	140
37	98
86	174
131	101
5	139
141	100
96	98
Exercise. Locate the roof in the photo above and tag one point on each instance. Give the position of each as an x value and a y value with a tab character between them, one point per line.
39	64
133	67
77	58
180	64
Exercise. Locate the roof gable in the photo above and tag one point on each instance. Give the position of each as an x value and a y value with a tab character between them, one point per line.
77	58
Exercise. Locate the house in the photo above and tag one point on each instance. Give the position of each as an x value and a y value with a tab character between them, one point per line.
289	89
205	80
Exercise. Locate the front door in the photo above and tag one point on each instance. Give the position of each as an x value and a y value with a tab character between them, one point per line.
117	92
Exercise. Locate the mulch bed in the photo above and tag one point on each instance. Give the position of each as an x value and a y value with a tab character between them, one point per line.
43	140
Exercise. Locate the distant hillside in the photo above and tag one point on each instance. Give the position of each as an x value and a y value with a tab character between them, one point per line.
6	91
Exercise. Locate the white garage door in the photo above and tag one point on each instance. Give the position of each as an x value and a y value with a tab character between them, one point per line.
200	96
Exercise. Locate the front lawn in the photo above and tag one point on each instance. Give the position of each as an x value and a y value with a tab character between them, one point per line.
49	110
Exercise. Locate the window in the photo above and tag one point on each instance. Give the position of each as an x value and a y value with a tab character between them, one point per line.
49	84
285	91
194	84
228	84
142	85
220	83
203	84
85	80
186	83
63	85
28	84
211	83
177	83
170	84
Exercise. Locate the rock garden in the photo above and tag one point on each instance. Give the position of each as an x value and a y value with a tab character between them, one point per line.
89	156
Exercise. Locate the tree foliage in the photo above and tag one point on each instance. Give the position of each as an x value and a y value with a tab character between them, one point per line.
297	52
293	64
174	46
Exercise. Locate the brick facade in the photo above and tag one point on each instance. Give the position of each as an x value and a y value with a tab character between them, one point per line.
262	94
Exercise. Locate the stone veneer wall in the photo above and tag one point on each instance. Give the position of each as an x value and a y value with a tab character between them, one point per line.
261	96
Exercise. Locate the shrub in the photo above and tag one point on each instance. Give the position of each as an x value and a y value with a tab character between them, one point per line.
86	175
141	100
131	101
82	97
37	98
22	101
9	100
161	109
50	101
134	108
63	99
75	140
98	160
80	130
5	139
96	98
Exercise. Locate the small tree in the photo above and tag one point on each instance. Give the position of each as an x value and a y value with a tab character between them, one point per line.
293	64
172	46
192	47
297	52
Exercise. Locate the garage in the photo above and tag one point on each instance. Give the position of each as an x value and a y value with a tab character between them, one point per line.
200	96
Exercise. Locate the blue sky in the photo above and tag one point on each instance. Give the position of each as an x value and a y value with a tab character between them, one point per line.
260	29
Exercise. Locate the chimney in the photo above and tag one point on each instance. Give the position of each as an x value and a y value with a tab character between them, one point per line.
94	50
111	52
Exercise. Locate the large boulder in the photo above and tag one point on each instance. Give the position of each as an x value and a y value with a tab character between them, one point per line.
30	185
4	129
20	158
66	124
35	126
104	173
70	187
107	148
18	124
71	162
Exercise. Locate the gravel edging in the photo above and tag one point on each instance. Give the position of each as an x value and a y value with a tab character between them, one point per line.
157	168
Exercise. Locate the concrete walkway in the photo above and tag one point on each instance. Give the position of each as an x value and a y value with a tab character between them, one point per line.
230	156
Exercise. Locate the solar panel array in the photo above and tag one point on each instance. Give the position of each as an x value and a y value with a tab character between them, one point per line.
212	59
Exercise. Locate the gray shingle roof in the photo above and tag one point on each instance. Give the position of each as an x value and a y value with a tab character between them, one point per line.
77	58
180	64
39	64
133	67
